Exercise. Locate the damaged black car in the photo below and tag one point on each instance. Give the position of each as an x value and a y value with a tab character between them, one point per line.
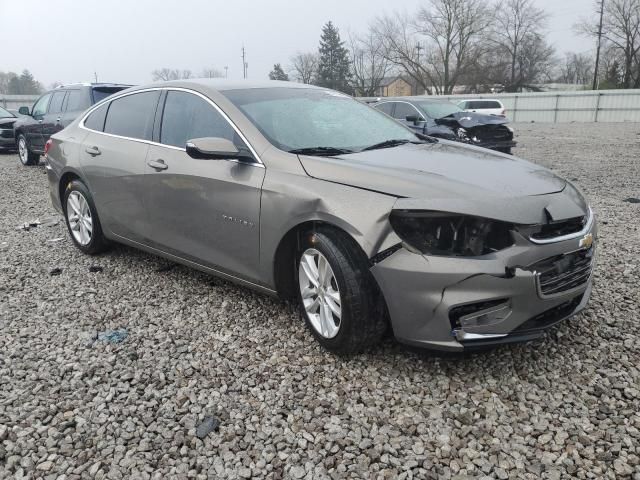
443	119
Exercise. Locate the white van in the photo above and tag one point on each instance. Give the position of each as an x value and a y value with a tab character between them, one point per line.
488	107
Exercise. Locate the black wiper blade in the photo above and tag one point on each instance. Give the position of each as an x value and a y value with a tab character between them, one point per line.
320	151
386	144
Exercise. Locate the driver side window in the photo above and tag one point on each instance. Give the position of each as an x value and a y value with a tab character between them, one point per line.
40	107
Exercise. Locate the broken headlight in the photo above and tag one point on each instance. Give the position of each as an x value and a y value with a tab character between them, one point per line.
450	234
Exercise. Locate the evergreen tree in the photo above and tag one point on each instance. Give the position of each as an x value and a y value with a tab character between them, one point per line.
333	66
278	73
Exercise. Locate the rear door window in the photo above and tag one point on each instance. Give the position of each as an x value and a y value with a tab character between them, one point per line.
77	101
55	106
385	107
187	116
132	116
95	121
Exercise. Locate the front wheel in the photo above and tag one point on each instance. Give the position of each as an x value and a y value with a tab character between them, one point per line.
338	296
27	157
82	219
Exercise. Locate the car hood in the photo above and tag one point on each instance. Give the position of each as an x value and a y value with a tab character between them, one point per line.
471	119
7	121
442	170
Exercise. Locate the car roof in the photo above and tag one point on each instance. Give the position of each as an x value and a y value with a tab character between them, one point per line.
221	84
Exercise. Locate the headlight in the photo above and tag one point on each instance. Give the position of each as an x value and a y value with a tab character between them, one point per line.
450	234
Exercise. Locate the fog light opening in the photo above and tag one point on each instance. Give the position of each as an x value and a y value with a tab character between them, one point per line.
480	314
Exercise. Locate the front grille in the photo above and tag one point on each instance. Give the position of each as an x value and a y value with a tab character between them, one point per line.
495	133
558	229
549	317
563	273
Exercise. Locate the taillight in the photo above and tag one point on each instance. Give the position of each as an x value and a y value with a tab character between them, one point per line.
47	146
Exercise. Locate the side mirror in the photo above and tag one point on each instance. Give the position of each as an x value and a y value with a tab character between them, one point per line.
215	148
24	111
414	118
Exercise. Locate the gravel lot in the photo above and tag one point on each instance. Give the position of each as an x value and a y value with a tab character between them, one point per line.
73	406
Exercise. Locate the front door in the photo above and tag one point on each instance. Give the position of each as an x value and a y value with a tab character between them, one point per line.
207	211
33	130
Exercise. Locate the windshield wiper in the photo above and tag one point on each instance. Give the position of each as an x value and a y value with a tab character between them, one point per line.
387	144
320	151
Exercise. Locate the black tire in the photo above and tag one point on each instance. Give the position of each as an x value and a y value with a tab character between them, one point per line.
363	321
27	157
505	150
97	243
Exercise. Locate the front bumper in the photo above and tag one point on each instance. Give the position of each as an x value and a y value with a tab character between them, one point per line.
7	140
423	294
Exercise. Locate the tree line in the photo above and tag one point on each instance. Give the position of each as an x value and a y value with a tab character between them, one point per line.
12	83
472	46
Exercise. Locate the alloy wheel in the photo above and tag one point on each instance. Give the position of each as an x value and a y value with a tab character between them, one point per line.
79	217
320	293
22	150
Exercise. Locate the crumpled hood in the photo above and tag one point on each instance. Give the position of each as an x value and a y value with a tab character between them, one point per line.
471	119
444	170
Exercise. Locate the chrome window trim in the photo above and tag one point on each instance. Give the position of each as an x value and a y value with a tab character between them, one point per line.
259	163
569	236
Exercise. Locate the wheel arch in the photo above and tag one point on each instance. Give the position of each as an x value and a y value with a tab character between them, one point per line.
65	179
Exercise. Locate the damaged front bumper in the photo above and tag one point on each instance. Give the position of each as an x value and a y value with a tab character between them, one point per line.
454	303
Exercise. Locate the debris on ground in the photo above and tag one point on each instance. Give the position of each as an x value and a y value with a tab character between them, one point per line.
3	246
112	336
47	222
208	425
54	240
55	271
50	222
95	268
632	200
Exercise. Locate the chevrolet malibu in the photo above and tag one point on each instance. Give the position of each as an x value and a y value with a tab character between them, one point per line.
303	192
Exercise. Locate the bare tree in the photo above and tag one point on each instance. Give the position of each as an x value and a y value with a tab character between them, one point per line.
304	66
211	73
170	74
452	29
621	30
369	64
518	25
577	69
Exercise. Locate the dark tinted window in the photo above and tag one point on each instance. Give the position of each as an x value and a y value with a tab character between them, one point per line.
132	116
100	93
483	104
187	116
403	110
385	107
40	107
95	121
77	101
55	106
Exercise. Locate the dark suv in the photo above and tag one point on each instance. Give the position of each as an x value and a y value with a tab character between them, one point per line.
52	112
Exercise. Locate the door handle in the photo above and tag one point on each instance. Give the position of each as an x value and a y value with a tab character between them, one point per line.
158	164
93	151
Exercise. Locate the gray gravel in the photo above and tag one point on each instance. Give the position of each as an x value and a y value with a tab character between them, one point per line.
199	351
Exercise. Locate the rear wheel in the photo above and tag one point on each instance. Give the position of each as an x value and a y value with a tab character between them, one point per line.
82	219
26	156
339	299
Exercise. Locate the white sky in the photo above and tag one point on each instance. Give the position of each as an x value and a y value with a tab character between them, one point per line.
124	40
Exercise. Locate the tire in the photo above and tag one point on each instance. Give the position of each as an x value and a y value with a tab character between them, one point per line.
80	214
505	150
27	157
362	321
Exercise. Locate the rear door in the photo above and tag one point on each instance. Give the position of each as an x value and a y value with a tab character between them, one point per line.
113	159
51	122
207	211
76	102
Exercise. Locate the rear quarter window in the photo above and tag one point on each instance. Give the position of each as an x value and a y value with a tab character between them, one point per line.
77	101
132	116
95	121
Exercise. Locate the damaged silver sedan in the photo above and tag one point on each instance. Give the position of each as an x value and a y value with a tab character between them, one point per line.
305	193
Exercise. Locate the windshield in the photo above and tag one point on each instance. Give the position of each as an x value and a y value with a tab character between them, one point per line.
439	109
306	118
5	114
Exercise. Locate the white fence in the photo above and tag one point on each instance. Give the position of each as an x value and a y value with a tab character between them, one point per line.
17	101
576	106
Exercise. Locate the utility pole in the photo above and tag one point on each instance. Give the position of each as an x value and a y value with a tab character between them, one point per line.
244	63
595	73
419	48
226	72
95	75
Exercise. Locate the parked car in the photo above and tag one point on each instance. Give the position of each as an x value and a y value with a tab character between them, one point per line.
488	107
52	112
443	119
7	140
304	192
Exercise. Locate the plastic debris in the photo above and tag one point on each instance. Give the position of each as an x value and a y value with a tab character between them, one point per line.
95	268
54	240
632	200
208	425
112	336
55	271
50	222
